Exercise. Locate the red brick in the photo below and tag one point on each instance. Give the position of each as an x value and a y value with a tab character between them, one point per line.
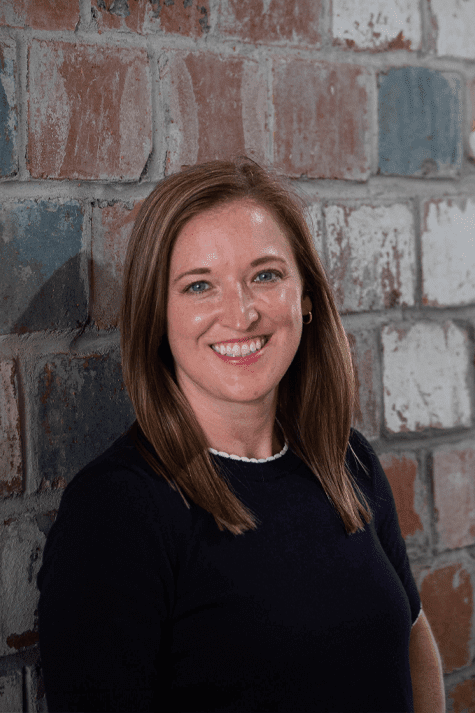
447	598
322	119
112	228
146	16
40	14
11	472
461	697
89	111
364	352
401	470
454	494
217	108
272	21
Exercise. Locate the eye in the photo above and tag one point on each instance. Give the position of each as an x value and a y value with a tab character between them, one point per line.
203	282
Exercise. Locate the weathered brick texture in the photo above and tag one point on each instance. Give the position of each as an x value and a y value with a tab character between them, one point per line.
112	228
217	108
8	109
307	95
420	122
365	356
41	285
454	494
376	24
371	255
11	686
191	17
409	495
21	545
79	128
461	697
40	14
448	252
447	598
425	374
82	408
453	27
11	466
272	21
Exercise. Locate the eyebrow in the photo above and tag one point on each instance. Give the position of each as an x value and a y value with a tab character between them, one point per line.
254	263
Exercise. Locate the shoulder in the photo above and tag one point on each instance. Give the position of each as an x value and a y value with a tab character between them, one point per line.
360	456
117	477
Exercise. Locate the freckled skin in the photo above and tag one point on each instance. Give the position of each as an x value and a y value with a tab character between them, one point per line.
235	405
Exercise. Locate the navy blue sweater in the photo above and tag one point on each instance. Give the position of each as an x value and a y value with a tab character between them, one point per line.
145	605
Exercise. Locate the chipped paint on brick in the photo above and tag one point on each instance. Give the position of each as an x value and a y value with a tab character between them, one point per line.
112	229
272	21
149	16
401	471
86	410
377	25
8	110
11	472
371	255
454	494
307	95
447	599
40	266
211	107
40	14
420	122
425	377
105	136
448	252
367	416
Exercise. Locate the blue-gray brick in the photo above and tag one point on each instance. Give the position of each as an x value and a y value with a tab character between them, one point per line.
8	110
83	407
420	122
40	266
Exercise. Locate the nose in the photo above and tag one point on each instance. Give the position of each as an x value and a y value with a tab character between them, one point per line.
238	308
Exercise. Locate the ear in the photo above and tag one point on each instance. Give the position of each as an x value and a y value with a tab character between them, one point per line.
306	305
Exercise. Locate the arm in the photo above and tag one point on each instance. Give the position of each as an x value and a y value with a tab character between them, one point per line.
426	669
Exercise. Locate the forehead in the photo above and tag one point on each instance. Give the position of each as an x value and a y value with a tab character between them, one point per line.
235	228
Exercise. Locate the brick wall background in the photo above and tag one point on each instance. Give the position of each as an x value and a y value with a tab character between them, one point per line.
369	106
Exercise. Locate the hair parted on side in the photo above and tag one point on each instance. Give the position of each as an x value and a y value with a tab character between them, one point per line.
317	394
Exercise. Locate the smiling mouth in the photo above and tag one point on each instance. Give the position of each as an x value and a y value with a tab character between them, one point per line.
239	350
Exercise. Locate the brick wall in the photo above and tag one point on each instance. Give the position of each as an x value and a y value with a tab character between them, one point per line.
369	106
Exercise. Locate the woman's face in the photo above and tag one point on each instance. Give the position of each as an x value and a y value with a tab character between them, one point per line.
229	301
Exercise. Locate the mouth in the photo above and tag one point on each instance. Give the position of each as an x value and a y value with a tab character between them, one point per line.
249	356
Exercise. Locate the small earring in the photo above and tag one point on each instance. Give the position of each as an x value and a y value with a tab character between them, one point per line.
303	318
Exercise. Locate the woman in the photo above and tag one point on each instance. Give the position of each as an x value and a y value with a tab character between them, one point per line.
239	548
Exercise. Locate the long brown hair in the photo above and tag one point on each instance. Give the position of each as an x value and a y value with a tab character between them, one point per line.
316	396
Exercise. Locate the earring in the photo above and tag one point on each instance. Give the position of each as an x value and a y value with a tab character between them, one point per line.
303	318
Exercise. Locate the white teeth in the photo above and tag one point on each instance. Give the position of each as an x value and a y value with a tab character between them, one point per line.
236	350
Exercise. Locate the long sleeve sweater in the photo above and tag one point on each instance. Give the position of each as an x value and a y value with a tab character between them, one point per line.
145	605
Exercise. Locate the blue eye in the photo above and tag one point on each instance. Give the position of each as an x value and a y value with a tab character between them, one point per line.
203	282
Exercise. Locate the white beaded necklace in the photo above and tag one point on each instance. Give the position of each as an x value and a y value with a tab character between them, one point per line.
252	460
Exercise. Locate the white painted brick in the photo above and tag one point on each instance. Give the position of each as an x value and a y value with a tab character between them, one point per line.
425	371
454	20
21	545
315	225
373	24
371	255
448	252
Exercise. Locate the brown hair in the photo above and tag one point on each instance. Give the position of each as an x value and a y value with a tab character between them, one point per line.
316	396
